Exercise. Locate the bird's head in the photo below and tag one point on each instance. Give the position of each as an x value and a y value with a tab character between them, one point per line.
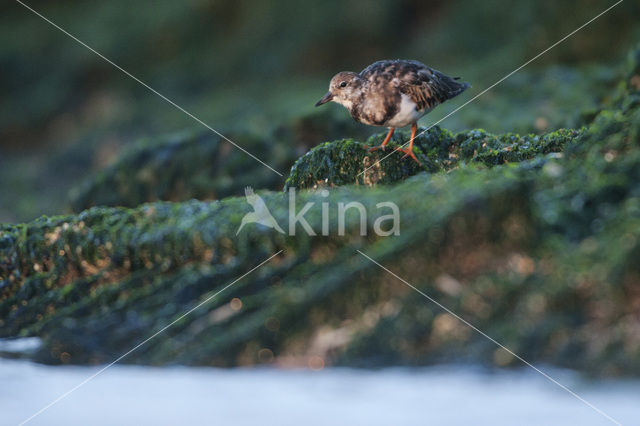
343	88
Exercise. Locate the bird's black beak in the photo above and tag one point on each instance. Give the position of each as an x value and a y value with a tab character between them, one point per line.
326	98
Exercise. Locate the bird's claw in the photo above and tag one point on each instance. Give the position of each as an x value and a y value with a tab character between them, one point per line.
409	153
375	148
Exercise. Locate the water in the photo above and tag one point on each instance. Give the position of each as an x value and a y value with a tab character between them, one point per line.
129	395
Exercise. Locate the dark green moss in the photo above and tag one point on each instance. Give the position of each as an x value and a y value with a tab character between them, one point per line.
194	164
349	162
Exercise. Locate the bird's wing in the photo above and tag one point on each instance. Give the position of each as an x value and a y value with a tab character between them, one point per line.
422	94
378	68
425	86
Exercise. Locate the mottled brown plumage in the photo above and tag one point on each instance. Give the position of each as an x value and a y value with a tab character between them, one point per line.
392	93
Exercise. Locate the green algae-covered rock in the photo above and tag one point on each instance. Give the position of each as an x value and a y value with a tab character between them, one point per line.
539	251
349	162
200	164
193	164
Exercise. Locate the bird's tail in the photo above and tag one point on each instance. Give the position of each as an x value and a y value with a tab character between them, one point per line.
455	87
446	87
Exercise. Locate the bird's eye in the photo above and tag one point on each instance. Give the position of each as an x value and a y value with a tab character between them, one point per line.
343	84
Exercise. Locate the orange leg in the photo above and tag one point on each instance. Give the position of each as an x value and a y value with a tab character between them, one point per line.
386	140
408	152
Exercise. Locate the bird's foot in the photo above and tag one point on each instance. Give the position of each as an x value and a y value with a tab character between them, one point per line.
409	153
375	148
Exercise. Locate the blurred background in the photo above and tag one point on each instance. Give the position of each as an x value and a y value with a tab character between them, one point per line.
254	70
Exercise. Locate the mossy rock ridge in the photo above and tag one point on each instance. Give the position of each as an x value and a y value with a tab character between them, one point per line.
347	162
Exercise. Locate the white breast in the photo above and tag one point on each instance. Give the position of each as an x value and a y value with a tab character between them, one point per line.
407	114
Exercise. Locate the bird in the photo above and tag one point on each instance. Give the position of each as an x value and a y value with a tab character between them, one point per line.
392	93
260	213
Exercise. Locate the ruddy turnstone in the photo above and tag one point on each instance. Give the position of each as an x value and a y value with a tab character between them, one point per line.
392	93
